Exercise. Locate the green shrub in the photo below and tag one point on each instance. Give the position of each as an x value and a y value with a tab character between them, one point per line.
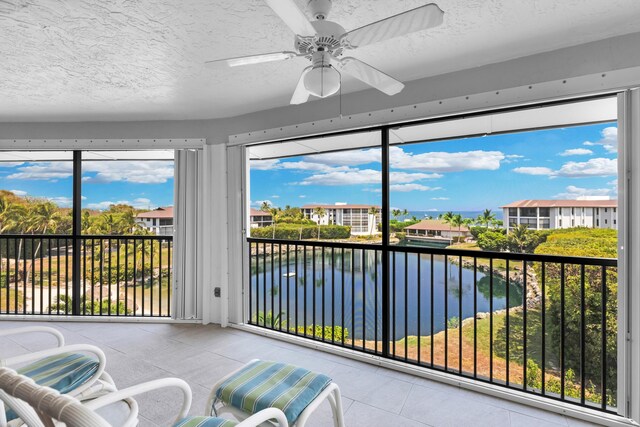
586	242
302	231
65	303
339	333
492	240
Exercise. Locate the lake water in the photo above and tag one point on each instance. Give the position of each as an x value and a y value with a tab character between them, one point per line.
348	291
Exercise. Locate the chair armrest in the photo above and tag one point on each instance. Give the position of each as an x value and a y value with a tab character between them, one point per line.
263	416
145	387
28	329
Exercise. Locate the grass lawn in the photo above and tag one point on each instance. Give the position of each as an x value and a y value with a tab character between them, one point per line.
483	346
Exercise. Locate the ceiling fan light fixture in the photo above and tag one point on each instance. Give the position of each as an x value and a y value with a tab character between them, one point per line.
322	81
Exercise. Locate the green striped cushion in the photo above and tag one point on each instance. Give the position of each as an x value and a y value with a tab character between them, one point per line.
205	422
261	385
63	372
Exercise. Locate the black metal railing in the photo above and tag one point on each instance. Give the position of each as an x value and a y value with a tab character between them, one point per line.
541	324
118	275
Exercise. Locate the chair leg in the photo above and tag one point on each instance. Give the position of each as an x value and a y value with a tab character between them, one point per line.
336	406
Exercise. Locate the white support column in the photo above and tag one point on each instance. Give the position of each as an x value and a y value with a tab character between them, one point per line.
238	218
629	255
216	227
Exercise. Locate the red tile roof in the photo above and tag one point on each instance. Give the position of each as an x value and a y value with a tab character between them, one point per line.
157	213
256	212
435	225
563	204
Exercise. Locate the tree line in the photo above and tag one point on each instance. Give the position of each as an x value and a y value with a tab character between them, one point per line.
20	215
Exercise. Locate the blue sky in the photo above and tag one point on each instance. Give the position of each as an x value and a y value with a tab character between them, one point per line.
466	174
142	184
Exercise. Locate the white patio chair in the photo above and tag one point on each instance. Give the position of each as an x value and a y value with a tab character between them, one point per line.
41	406
77	370
259	384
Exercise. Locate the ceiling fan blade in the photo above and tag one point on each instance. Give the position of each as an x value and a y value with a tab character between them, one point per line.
291	14
420	18
301	94
371	76
251	59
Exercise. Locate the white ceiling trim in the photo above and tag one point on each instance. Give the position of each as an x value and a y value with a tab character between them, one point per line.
101	144
575	87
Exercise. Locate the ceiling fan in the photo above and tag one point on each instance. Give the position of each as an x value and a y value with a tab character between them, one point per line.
324	43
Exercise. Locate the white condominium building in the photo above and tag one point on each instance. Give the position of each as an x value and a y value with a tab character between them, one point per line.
551	214
355	216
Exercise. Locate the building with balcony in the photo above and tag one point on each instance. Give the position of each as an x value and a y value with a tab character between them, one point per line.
259	218
355	216
553	214
159	221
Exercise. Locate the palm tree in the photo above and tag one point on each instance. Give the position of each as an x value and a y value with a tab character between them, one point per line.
447	217
4	206
320	212
274	218
486	217
457	221
405	212
373	212
396	213
42	217
520	236
265	207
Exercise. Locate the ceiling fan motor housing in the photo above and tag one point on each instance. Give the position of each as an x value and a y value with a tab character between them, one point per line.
327	39
319	8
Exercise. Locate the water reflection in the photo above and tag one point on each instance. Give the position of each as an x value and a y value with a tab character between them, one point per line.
344	288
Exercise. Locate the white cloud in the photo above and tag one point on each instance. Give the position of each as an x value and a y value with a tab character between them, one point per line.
139	203
439	198
44	171
308	166
364	176
576	152
347	158
259	203
446	162
573	192
609	140
594	167
600	166
302	196
63	202
147	172
19	193
405	188
512	158
534	170
263	165
275	196
10	164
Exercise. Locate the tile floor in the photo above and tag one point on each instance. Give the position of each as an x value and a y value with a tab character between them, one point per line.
372	396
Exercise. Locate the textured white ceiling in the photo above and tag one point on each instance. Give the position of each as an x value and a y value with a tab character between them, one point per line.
69	60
